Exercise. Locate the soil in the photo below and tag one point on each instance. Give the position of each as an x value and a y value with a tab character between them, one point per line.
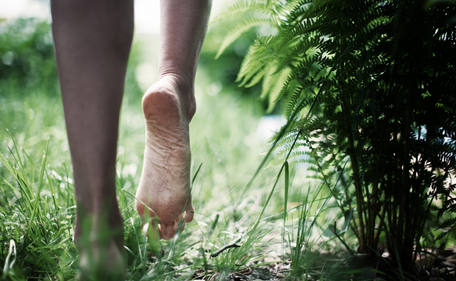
429	266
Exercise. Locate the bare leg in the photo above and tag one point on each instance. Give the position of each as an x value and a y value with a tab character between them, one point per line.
92	40
168	107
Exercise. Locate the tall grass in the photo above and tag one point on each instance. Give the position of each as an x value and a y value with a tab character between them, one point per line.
235	225
37	195
38	208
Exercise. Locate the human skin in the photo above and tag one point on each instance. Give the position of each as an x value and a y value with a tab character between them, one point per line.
92	42
168	106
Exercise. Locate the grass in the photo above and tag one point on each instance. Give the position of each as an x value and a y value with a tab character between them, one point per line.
251	212
279	216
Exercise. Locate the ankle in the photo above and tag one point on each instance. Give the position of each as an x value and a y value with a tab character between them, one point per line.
184	87
101	225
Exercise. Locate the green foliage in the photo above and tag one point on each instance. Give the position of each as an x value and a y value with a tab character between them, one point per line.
221	72
37	218
27	57
369	87
37	196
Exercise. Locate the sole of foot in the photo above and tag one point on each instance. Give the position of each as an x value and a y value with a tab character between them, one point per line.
164	189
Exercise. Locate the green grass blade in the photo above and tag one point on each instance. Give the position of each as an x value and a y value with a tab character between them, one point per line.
11	252
51	188
274	186
285	203
196	173
38	191
287	186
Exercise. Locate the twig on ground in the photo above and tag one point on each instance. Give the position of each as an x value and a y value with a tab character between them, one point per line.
226	247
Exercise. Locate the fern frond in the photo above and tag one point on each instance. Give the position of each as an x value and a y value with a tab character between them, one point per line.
272	86
242	27
293	100
292	53
441	235
243	7
447	223
257	58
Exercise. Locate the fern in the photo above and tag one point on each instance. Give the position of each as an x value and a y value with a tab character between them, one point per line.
246	25
369	105
243	7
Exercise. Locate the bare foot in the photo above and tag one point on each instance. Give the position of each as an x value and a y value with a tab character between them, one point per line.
168	107
99	239
102	262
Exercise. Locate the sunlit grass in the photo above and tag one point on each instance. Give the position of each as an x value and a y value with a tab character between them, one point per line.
37	206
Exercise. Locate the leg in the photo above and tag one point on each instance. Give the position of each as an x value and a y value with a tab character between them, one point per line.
168	107
92	42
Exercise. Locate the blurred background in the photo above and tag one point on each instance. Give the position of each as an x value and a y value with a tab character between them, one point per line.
228	133
229	138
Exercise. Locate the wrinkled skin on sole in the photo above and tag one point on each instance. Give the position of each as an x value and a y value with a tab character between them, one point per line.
164	189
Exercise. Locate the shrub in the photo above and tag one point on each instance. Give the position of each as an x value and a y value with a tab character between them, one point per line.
369	90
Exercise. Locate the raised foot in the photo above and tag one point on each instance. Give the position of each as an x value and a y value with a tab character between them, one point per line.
164	187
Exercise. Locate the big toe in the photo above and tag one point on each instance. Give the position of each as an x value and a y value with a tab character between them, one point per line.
189	212
167	231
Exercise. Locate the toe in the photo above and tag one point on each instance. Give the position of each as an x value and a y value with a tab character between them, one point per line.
188	215
151	230
167	231
179	225
145	212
